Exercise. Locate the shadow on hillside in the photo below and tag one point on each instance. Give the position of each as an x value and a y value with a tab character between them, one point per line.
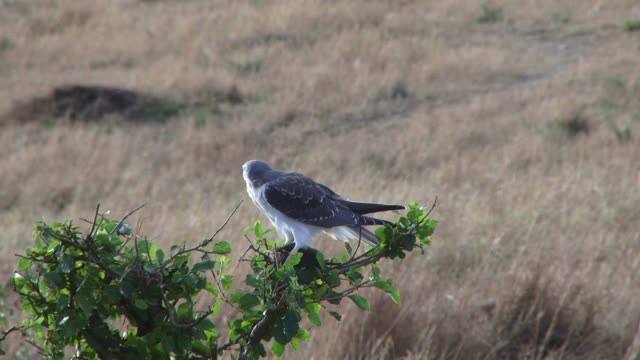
93	103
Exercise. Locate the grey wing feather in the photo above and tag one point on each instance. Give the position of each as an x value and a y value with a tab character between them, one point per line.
307	201
365	235
302	199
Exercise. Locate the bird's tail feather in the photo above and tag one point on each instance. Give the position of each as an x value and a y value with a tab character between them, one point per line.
369	220
367	208
359	232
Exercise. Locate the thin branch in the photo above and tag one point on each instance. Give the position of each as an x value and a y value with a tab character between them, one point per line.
40	350
432	207
206	242
226	221
93	224
172	315
349	291
357	246
9	331
343	268
125	218
251	247
220	289
257	332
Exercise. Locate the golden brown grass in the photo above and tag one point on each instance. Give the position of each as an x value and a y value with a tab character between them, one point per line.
537	252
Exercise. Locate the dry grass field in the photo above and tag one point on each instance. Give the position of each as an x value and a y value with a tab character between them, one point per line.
522	117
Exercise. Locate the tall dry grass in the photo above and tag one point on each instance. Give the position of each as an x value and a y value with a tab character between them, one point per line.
537	252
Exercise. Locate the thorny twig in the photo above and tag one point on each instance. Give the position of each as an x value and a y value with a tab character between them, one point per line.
93	223
251	247
172	315
200	246
226	221
9	331
125	218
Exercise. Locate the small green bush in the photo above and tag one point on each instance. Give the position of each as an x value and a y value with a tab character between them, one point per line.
490	15
75	287
630	25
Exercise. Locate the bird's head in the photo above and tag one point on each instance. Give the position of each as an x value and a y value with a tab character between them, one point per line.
254	172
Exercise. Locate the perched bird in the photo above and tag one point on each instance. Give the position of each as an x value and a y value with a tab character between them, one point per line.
301	209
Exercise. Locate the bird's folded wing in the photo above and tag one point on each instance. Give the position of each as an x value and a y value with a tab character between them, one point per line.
302	199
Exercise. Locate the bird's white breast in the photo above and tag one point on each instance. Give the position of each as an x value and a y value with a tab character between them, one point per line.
291	229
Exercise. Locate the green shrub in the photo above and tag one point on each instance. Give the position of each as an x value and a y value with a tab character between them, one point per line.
630	25
490	15
75	287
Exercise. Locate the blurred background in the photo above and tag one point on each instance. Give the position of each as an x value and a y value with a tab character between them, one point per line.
522	117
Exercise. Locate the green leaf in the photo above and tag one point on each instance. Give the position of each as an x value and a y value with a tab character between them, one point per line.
227	282
126	289
23	264
313	312
110	226
303	334
159	255
293	260
382	284
384	234
236	296
395	295
204	266
144	246
295	344
141	304
86	302
210	288
167	344
151	268
51	249
348	248
335	314
252	281
102	237
216	307
70	325
286	327
200	348
333	280
245	300
360	301
179	260
19	280
221	248
195	282
54	280
314	318
375	270
67	264
257	229
321	262
277	348
185	310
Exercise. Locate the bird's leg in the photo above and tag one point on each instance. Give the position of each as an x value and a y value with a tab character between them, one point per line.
282	253
288	247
